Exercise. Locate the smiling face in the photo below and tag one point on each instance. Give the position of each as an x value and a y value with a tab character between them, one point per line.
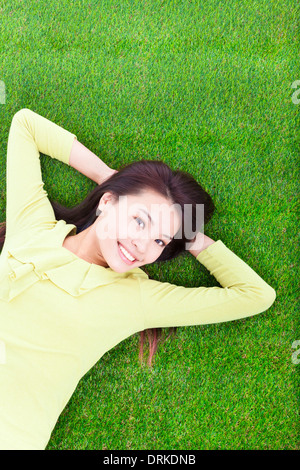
134	230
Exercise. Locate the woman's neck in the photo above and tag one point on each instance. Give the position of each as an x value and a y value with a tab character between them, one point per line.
84	246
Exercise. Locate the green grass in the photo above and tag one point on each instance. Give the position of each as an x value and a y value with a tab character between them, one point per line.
204	86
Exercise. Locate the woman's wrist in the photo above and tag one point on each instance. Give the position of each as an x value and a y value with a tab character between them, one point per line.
200	244
88	163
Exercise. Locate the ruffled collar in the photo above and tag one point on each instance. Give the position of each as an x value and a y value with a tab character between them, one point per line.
43	257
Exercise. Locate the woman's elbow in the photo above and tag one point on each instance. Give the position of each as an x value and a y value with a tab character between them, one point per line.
260	298
267	298
19	118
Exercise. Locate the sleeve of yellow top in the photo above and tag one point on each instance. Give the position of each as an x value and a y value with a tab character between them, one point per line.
243	293
27	203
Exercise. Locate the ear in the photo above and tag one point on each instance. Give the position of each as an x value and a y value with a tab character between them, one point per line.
106	198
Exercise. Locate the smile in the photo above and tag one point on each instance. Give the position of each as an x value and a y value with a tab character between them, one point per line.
125	255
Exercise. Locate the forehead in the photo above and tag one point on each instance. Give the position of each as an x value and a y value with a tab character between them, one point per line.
152	202
148	197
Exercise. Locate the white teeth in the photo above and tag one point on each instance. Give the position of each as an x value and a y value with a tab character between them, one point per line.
128	256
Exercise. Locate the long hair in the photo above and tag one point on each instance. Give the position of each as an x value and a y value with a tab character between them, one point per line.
175	185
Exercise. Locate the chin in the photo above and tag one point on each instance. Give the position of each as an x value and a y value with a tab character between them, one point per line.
118	266
117	269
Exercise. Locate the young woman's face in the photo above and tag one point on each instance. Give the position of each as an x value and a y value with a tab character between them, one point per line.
134	230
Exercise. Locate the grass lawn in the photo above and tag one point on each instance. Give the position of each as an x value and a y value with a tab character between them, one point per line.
205	86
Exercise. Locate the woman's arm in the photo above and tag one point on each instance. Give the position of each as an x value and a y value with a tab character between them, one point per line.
27	204
89	164
243	293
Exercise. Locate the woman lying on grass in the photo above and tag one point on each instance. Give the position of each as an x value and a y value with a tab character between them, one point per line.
71	283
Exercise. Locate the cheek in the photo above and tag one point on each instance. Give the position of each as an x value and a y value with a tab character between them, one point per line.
122	226
155	250
107	229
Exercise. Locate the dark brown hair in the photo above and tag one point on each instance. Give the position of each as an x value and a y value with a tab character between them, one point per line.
176	185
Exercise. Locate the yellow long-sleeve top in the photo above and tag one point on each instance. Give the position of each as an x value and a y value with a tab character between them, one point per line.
59	314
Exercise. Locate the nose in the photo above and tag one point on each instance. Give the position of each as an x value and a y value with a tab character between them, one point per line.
140	246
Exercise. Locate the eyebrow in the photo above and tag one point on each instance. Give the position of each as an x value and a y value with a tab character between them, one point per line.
149	217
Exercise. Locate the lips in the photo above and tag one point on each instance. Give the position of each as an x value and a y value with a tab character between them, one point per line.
124	257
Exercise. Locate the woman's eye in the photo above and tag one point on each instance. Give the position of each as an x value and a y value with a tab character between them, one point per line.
137	218
163	243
